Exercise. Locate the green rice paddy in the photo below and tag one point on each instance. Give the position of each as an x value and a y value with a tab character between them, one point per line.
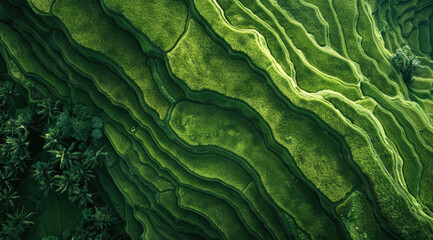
242	119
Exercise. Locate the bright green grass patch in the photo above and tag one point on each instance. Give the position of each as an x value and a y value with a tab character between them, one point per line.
252	192
216	210
147	172
22	53
274	42
348	16
310	17
212	188
107	82
29	83
70	64
170	201
203	65
357	216
120	141
411	168
92	29
133	227
324	59
209	166
162	21
360	117
201	124
309	77
43	6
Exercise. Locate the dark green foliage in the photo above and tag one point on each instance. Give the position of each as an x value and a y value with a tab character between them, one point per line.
8	93
96	134
15	157
16	223
64	123
24	117
97	122
82	112
405	62
67	140
58	145
81	130
80	172
103	217
42	173
81	194
15	144
8	197
48	109
15	147
7	177
94	223
72	153
92	157
11	127
64	156
53	138
78	122
97	128
63	183
81	122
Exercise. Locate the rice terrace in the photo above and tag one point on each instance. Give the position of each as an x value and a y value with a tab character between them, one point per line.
216	119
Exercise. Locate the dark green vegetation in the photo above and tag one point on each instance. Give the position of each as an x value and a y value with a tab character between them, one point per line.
405	61
49	153
230	119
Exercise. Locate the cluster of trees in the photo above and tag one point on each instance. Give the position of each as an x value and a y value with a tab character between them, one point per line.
58	146
69	155
406	63
15	123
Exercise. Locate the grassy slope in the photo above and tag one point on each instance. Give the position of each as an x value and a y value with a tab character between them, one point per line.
252	119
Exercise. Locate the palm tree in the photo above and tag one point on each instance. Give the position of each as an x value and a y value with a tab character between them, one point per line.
7	93
48	109
4	116
11	127
81	194
19	146
43	174
64	182
19	162
81	173
15	224
103	217
42	170
5	154
20	217
6	177
8	196
66	155
53	139
25	117
15	151
92	157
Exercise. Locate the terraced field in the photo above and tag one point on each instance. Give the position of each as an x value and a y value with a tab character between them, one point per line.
244	119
